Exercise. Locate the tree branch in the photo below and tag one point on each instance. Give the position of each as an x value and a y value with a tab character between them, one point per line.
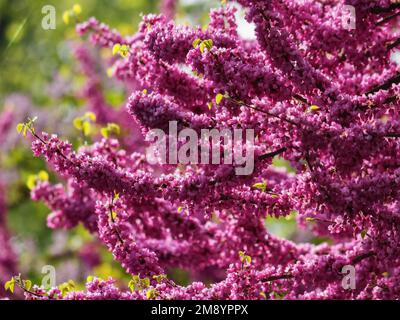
386	85
378	10
272	154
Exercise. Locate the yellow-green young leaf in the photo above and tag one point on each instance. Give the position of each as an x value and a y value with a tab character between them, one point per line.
20	126
144	91
261	186
31	182
124	51
116	48
64	288
159	278
27	284
209	105
86	128
146	282
279	295
65	17
247	259
104	132
114	128
132	285
71	284
116	196
25	130
208	43
314	108
136	279
151	294
180	209
89	279
202	47
196	42
363	234
77	9
385	274
78	123
113	215
218	98
43	175
309	219
262	294
9	285
91	116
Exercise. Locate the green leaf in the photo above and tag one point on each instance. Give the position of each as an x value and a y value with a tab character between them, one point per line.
104	132
363	234
202	47
71	284
86	128
132	285
116	48
208	43
27	284
218	98
196	42
160	277
151	294
65	16
43	175
31	182
20	127
114	128
261	186
91	116
77	9
124	51
314	108
77	122
113	215
145	282
9	285
279	295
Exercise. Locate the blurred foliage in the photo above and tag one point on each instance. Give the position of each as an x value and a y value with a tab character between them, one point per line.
31	55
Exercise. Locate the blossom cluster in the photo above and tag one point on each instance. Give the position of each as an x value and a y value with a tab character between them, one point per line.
323	98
